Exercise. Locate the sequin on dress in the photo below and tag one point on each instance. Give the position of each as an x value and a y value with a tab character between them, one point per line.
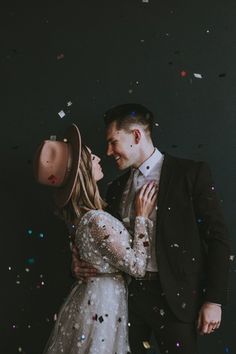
94	316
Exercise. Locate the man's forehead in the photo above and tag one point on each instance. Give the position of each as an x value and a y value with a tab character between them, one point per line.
112	131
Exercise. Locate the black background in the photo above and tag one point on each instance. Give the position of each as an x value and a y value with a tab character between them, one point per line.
96	54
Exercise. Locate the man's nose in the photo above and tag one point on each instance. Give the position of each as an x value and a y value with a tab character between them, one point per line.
109	150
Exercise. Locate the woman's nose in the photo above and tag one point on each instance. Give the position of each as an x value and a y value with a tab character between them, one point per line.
97	158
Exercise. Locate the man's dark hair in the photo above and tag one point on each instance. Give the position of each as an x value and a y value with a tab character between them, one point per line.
126	114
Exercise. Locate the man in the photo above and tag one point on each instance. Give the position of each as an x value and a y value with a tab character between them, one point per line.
186	278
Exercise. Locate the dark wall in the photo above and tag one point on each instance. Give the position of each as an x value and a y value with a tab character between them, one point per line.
96	54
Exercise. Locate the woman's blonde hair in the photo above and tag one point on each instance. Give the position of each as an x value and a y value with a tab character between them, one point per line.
85	195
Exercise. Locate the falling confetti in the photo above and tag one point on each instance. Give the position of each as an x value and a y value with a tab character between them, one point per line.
61	114
183	73
175	245
146	345
162	312
197	76
31	260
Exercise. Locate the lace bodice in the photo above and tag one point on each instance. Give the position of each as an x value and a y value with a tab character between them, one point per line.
103	241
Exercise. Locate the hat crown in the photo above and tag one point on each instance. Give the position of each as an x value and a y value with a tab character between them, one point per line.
56	164
53	163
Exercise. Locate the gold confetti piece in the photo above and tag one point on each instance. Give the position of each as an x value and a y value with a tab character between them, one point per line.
146	345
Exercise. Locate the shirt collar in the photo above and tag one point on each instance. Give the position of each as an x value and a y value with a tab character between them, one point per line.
148	164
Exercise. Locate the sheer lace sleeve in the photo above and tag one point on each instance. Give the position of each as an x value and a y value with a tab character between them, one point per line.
117	251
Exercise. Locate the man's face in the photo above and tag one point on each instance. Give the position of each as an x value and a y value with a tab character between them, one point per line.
121	146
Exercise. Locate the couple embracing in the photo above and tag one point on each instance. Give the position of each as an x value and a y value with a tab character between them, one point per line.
154	256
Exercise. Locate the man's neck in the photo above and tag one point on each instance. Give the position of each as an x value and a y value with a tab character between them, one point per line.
145	153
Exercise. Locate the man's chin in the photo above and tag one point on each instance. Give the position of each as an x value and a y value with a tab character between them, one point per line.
121	167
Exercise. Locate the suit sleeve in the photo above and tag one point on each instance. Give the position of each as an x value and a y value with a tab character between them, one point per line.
214	233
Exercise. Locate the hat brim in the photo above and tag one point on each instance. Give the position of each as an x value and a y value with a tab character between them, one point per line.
63	194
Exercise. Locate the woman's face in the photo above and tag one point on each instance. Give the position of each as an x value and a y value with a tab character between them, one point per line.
96	167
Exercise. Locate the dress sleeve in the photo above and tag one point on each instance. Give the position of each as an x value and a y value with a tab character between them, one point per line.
107	235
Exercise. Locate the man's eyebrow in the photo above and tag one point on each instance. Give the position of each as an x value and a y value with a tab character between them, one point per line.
111	140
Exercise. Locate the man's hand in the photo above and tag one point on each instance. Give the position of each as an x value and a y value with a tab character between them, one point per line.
81	269
209	318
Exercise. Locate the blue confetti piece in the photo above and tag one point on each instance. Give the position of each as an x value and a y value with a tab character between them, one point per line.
30	260
41	235
227	350
30	232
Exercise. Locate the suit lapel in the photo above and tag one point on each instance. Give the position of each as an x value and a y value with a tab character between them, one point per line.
166	178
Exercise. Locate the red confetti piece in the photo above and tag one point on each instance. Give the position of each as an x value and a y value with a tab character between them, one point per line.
183	73
52	179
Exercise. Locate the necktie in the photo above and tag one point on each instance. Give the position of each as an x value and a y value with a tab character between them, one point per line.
128	211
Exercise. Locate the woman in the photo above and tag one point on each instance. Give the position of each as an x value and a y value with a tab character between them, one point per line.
93	318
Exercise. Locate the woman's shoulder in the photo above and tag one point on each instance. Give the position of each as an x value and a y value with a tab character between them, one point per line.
96	216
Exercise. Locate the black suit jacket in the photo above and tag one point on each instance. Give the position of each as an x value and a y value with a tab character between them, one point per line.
191	237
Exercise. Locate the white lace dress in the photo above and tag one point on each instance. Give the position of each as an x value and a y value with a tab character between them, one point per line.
94	316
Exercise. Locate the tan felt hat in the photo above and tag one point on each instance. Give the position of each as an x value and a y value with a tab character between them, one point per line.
56	164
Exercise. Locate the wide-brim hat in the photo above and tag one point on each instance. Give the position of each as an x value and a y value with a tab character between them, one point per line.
57	163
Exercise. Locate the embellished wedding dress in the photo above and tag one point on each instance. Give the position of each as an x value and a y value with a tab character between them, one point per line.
94	316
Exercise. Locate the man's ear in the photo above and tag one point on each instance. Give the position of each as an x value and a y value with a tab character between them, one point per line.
137	135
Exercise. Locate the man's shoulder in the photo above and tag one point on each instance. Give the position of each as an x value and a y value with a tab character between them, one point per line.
183	162
185	166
